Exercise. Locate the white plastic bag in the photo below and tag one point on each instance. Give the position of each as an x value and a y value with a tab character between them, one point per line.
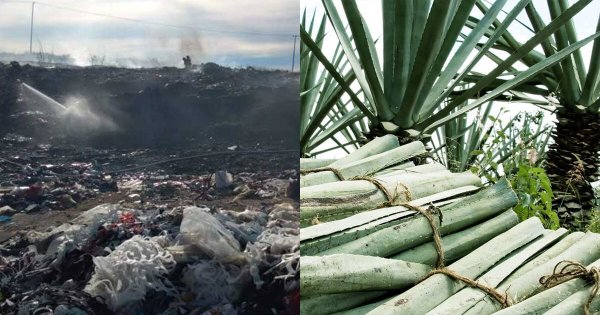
68	236
204	233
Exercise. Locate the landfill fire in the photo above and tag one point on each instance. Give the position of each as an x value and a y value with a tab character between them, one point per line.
143	192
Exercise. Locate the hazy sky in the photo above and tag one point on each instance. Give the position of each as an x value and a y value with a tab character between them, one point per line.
81	35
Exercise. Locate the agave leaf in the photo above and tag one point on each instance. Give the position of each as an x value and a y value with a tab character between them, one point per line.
459	244
424	60
328	228
523	76
545	300
348	273
458	215
585	251
591	87
464	299
571	90
346	43
419	300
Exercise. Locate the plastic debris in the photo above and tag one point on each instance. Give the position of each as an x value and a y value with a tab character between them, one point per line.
7	211
70	235
223	180
214	284
127	274
58	258
204	233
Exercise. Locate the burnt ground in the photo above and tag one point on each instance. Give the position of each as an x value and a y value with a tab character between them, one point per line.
170	130
159	107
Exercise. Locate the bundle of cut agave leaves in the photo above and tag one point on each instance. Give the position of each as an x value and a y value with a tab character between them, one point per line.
365	254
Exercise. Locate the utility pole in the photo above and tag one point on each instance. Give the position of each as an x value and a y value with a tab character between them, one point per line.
294	53
31	29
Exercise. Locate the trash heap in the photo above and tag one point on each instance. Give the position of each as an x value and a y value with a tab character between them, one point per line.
382	236
44	187
194	259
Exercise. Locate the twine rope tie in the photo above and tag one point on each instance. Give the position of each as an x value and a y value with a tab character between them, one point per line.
392	199
567	270
324	169
437	238
500	297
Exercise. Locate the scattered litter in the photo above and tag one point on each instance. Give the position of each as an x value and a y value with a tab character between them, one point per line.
68	236
214	284
125	276
197	259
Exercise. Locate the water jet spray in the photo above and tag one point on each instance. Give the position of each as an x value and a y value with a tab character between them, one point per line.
56	106
77	115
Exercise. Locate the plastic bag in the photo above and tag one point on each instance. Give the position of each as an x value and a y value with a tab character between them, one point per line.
279	241
214	284
205	234
68	236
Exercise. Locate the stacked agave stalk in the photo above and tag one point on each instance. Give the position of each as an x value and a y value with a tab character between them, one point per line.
366	251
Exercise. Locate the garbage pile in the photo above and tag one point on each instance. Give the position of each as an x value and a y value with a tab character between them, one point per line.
41	187
146	231
55	182
117	260
174	209
395	238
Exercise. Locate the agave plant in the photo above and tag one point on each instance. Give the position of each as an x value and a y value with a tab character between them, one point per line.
320	96
404	94
490	147
574	88
458	144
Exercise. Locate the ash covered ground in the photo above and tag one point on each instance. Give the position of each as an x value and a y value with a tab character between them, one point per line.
155	191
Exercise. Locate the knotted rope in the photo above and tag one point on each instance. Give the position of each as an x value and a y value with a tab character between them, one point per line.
437	237
502	298
392	200
324	169
571	270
